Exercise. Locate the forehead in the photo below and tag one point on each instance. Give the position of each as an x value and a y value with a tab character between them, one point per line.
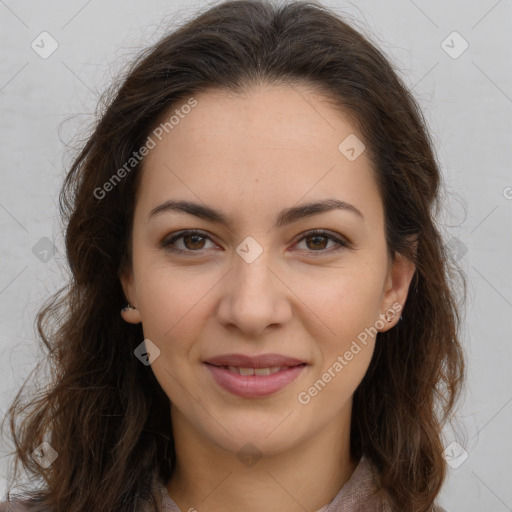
270	144
261	117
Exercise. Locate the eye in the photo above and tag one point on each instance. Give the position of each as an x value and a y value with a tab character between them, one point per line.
319	240
193	241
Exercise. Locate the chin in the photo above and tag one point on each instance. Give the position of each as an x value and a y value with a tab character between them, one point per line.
259	437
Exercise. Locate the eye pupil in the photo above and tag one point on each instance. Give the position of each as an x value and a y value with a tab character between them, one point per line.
188	237
317	237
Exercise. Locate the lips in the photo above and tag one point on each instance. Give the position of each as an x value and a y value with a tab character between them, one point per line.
254	377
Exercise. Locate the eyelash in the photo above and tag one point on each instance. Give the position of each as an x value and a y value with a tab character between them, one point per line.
166	243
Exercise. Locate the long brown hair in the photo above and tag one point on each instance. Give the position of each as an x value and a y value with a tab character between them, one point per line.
104	413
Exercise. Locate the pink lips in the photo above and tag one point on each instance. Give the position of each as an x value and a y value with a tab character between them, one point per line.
254	386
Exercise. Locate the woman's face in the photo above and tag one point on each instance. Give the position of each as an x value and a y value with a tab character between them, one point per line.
258	283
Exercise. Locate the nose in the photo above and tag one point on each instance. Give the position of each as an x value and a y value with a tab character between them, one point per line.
254	297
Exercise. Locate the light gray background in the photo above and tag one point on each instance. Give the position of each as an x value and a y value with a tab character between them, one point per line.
468	104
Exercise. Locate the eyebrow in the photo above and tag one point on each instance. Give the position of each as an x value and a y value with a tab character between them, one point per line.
286	216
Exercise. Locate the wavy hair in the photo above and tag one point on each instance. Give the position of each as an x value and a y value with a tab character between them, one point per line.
103	412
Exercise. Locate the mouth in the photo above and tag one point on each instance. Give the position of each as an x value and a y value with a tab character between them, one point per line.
251	382
256	371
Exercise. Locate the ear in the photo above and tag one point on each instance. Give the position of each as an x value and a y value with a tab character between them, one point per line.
396	289
130	315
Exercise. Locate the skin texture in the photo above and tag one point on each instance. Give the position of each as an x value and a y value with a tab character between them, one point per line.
251	156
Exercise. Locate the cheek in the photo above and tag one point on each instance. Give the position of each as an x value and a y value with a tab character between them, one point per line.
172	309
174	306
169	296
346	302
350	307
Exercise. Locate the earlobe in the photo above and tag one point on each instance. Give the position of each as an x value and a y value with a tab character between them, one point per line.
130	314
390	318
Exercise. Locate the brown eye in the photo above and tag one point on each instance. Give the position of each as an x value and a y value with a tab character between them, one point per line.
317	241
191	242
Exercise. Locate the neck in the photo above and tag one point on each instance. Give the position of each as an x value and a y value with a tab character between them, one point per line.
305	477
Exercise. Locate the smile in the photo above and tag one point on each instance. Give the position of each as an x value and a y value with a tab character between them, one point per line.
254	371
254	382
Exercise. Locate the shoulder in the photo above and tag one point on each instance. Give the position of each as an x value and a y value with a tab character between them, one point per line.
370	497
360	493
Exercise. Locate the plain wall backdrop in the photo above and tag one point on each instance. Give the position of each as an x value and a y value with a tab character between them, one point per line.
59	56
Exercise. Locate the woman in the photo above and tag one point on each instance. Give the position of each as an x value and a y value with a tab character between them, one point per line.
260	314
